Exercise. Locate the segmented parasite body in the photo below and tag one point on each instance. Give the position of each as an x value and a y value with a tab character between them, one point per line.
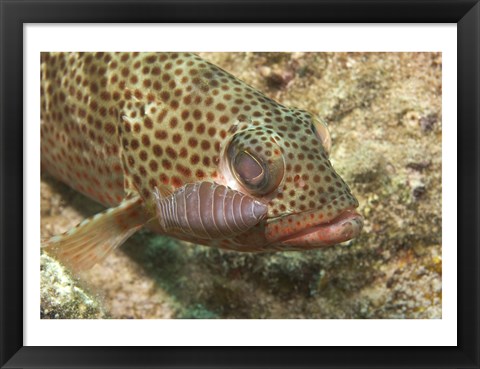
171	142
209	211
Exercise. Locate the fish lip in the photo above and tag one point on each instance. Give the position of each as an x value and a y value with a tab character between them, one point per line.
324	206
345	226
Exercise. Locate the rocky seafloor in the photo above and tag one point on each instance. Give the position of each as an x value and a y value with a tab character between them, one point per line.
385	116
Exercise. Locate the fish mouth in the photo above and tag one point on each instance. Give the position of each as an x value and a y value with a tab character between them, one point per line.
345	226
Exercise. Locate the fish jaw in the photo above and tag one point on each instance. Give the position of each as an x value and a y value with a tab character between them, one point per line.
303	231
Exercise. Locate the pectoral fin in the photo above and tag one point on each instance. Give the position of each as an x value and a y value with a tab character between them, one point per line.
94	238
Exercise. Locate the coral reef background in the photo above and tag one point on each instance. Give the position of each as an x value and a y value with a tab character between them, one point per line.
385	115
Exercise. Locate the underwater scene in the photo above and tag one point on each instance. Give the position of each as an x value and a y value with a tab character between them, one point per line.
258	185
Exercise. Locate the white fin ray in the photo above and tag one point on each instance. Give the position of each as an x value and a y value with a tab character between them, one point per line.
92	240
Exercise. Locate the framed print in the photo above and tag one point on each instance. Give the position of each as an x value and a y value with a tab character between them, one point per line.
239	184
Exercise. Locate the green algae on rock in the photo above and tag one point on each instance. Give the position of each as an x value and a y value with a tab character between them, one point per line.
61	297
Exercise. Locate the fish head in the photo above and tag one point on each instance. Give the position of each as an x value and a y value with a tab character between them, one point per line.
286	165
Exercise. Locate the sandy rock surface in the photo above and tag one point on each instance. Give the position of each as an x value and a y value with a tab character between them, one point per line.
385	117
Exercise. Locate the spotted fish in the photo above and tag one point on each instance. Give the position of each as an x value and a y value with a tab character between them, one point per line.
171	142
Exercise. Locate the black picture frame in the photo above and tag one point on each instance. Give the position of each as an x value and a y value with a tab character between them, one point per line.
15	13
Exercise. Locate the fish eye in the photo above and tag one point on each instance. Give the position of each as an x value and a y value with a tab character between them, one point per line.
249	170
260	173
321	130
